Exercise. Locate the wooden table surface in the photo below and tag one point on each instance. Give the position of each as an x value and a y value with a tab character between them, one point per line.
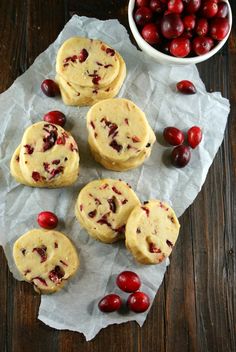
194	309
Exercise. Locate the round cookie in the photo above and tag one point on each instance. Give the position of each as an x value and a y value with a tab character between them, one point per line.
46	258
128	164
118	129
87	62
48	156
103	207
151	232
74	94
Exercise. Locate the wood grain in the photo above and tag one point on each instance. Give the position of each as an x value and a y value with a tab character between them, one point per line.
194	309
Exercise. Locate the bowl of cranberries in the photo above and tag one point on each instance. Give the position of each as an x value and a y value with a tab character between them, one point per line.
180	31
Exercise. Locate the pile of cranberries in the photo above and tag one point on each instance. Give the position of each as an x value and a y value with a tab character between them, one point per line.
182	28
181	154
138	301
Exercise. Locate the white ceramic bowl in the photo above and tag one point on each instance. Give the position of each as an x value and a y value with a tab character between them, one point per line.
167	59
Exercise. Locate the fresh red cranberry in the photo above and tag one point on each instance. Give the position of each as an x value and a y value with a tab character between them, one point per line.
110	303
56	117
202	45
141	3
83	55
150	33
194	136
189	22
173	135
186	87
172	26
175	6
223	10
156	6
202	27
219	28
138	302
180	155
50	88
192	6
47	220
180	47
209	9
142	16
128	281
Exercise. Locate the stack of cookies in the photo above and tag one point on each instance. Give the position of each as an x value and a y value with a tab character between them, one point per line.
88	71
47	157
120	137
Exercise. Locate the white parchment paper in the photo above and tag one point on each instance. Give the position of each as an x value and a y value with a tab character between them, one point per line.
152	88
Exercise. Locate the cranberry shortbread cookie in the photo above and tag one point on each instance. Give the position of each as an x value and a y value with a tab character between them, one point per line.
46	258
74	94
119	133
103	207
128	164
87	62
47	157
151	232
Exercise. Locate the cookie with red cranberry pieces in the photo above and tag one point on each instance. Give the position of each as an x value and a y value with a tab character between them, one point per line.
151	232
77	95
47	157
88	70
119	133
87	62
129	164
46	258
103	207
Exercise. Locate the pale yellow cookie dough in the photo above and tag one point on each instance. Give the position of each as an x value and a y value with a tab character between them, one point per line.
128	164
151	232
87	62
118	129
74	94
46	258
48	157
103	207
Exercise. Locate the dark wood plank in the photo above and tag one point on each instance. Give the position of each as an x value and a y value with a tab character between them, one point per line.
195	307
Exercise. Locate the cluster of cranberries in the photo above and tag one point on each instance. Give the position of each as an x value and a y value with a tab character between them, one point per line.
182	28
181	154
138	301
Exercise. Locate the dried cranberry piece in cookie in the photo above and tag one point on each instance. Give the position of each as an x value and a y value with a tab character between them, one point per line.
29	149
42	252
56	274
83	55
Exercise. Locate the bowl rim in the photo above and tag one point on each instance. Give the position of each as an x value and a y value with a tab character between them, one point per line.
155	53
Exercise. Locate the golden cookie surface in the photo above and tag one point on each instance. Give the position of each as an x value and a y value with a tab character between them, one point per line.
46	258
103	207
151	232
